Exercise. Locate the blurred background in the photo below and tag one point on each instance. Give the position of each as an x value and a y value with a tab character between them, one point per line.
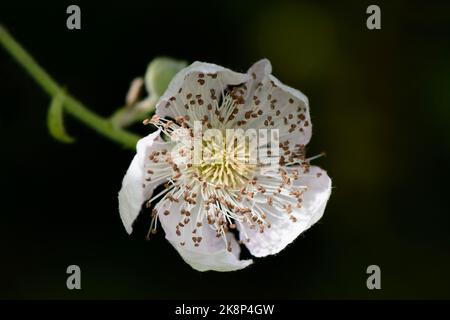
380	109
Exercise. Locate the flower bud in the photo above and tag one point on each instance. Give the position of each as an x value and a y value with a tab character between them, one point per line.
159	73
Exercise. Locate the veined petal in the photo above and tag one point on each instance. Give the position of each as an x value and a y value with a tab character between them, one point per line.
135	185
196	241
284	227
271	104
196	90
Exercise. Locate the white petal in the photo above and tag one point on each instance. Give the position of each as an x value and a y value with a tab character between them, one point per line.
135	190
194	88
283	231
211	253
258	71
282	107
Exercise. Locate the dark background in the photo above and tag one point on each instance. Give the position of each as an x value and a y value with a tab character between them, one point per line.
380	106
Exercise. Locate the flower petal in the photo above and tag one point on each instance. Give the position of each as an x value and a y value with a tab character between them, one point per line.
195	88
211	252
271	104
135	189
283	230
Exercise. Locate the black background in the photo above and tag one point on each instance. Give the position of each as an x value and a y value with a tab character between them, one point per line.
380	109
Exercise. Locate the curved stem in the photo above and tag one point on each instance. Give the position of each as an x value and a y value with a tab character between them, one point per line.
71	105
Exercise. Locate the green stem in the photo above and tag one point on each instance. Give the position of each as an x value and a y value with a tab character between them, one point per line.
71	105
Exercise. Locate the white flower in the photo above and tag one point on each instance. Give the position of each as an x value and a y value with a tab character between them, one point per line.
203	205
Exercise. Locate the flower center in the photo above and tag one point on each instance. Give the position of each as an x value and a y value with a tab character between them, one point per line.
226	162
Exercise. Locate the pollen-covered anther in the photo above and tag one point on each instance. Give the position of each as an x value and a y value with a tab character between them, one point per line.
287	208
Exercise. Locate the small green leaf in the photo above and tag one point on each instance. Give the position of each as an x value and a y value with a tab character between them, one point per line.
55	119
